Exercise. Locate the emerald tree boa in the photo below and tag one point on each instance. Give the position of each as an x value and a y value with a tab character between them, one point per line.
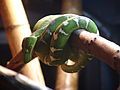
49	41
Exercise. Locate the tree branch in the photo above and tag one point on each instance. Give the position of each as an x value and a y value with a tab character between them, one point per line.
99	47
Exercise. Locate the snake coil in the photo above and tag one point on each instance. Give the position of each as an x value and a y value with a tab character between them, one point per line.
49	41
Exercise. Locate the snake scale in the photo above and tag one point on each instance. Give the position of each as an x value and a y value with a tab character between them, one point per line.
49	41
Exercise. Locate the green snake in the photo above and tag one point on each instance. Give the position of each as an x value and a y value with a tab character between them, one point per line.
49	41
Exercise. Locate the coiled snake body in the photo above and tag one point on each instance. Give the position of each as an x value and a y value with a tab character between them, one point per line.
49	41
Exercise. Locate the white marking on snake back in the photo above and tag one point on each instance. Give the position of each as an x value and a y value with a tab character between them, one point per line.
77	21
65	23
63	32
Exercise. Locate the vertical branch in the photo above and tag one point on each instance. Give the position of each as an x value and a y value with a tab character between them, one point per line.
17	27
69	81
70	6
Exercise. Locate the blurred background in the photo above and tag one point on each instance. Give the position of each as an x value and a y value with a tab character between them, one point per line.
106	13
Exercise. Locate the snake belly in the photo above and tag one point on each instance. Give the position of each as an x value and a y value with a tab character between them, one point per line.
53	33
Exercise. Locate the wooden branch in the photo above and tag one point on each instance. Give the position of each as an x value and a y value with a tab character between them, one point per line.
66	81
17	28
69	81
99	47
13	80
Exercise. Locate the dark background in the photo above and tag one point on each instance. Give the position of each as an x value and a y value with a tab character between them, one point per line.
106	13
